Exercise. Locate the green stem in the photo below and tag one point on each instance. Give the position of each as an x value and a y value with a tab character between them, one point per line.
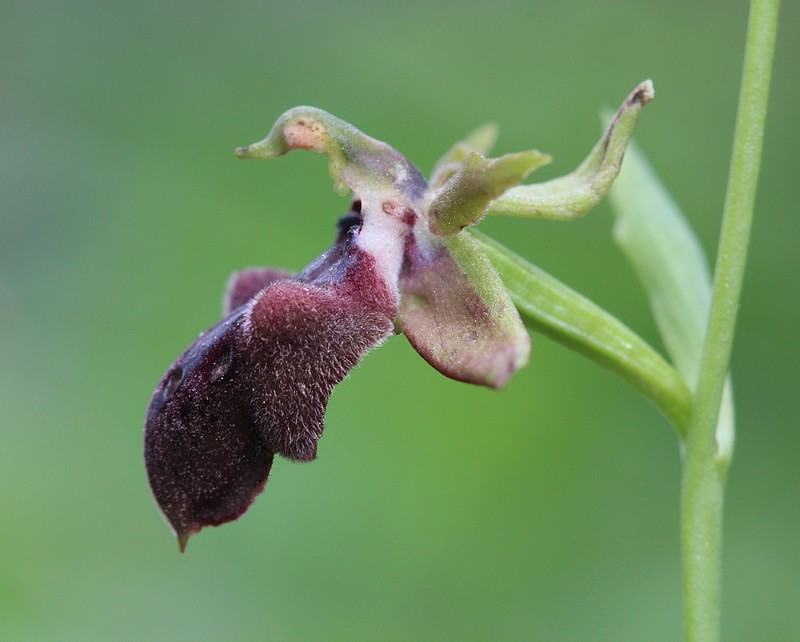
704	466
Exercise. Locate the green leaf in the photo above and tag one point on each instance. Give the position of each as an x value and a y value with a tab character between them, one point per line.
666	255
571	196
552	308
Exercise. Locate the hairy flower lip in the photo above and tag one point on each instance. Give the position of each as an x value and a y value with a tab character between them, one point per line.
258	382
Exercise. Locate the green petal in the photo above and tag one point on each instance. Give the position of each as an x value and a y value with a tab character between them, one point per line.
575	194
481	140
465	197
457	314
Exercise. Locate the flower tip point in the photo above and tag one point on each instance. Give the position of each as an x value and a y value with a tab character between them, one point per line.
242	152
645	92
270	147
183	540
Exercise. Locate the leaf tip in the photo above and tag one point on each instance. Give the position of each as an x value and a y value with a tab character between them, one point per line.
644	93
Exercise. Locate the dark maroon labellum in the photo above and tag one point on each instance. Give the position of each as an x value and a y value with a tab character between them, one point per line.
258	383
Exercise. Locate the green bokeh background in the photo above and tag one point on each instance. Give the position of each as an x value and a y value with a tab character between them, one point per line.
436	510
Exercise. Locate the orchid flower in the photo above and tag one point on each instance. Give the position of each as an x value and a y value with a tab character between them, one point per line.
257	384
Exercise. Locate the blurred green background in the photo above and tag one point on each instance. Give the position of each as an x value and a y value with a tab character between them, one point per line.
436	511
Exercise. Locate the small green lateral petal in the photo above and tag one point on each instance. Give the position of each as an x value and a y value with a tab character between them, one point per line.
457	314
573	195
465	197
482	140
357	161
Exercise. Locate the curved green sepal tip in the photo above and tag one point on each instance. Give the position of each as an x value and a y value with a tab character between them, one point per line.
357	161
573	195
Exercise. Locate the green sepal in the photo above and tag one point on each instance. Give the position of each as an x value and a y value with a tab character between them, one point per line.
668	258
457	314
356	161
573	195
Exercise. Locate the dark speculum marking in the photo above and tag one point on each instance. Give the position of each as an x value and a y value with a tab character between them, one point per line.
221	366
172	382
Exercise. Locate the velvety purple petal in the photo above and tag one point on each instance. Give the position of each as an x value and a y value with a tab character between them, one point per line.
304	338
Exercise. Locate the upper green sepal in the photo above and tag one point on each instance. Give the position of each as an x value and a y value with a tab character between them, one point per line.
356	161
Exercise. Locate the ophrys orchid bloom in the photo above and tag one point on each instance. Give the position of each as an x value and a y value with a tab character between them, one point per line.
257	384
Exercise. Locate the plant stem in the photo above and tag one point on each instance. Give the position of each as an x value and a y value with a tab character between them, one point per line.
704	466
